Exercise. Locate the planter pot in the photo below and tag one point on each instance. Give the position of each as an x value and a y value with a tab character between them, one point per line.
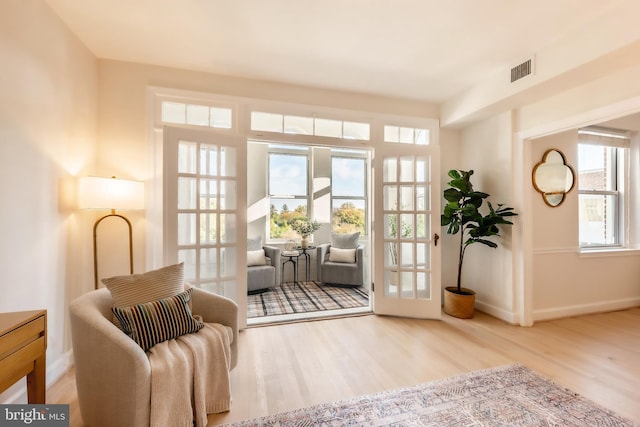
459	305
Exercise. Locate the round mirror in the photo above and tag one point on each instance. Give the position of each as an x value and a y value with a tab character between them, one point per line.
553	178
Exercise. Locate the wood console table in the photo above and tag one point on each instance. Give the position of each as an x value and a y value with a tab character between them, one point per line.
23	345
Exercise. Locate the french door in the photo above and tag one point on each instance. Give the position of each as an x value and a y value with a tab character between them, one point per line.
407	227
205	207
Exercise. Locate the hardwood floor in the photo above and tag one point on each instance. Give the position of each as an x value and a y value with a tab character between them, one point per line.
295	365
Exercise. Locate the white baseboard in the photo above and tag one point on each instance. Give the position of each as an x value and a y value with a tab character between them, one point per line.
500	313
578	310
559	312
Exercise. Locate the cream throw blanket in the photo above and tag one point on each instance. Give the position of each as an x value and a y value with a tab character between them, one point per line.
190	378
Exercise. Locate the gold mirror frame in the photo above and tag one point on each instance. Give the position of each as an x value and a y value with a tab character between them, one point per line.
553	178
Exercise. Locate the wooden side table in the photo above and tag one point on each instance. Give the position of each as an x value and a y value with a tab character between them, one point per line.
23	345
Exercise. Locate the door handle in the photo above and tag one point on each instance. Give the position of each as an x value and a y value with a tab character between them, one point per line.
436	237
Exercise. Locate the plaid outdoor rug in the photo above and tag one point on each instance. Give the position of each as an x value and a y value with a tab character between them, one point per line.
305	297
511	395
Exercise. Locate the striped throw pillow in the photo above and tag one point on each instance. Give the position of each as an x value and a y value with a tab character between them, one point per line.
150	286
134	289
153	322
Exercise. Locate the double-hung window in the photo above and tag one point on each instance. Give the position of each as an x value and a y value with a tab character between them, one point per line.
288	189
601	182
348	191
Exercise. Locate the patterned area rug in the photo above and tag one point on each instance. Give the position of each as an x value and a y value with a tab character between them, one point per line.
305	297
511	395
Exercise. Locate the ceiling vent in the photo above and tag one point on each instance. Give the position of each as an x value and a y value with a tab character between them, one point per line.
523	70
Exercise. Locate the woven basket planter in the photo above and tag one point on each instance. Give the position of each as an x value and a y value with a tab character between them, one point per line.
459	305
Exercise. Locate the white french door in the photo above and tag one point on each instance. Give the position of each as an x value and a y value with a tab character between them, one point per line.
407	228
205	207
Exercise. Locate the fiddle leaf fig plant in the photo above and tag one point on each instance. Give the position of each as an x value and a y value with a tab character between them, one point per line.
462	215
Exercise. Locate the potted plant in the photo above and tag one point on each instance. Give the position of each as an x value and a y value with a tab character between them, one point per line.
462	215
305	227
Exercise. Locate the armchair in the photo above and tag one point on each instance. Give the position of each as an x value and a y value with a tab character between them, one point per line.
264	273
340	273
113	374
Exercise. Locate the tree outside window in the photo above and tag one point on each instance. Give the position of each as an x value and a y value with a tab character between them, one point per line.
348	189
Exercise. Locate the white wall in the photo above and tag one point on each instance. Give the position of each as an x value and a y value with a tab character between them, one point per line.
562	282
566	282
48	109
450	158
486	147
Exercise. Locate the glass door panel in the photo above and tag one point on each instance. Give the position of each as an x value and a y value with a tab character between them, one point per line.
203	181
408	280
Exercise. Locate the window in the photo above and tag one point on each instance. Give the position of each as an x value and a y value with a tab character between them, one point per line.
348	191
196	115
288	190
601	175
405	135
297	125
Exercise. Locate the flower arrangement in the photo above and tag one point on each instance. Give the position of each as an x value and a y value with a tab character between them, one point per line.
304	227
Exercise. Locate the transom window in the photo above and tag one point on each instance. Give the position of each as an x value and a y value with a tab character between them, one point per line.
300	125
406	135
601	181
196	115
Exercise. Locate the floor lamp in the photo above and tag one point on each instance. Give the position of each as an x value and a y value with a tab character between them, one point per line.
111	194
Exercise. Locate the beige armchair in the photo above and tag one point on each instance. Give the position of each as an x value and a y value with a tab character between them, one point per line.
112	372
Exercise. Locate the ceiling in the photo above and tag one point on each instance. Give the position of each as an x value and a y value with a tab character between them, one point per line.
425	50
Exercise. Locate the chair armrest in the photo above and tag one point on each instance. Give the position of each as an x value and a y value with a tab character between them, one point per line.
274	255
321	252
360	262
113	375
218	309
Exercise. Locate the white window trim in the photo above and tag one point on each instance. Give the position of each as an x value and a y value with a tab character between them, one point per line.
367	191
309	155
241	111
621	144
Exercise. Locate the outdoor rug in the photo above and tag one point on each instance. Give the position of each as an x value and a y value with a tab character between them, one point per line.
510	395
305	297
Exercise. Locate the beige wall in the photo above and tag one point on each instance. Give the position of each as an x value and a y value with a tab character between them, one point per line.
48	110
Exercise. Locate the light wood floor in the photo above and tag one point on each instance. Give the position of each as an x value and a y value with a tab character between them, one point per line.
300	364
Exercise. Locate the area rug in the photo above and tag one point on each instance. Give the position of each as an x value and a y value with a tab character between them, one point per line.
510	395
305	297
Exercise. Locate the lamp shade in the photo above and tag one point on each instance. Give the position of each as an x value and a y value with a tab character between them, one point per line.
110	193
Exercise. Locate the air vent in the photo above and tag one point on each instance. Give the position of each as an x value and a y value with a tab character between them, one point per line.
522	70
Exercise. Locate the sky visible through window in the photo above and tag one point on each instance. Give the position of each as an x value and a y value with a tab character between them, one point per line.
348	177
287	179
